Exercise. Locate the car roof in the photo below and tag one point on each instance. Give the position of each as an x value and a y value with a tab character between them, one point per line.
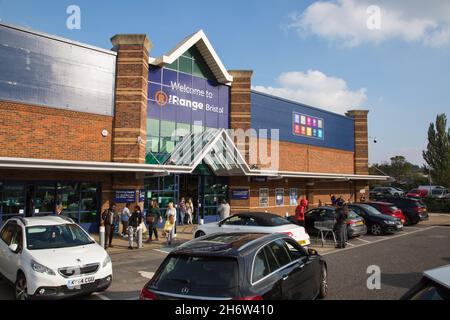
326	207
262	217
43	220
379	202
226	244
440	275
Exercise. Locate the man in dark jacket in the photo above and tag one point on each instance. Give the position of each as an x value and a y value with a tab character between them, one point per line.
133	224
341	225
108	220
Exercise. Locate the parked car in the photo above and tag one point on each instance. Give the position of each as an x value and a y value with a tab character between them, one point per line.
355	224
434	285
431	188
239	266
255	222
379	191
417	193
388	209
51	257
413	209
439	193
376	222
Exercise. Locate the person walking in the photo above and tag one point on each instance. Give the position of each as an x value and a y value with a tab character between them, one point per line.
333	199
224	210
171	211
133	225
189	210
153	217
182	208
125	217
341	225
300	211
108	219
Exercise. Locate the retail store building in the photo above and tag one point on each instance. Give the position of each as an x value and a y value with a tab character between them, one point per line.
83	126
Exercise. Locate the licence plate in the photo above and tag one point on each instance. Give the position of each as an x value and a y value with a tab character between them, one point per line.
71	284
302	242
359	223
399	226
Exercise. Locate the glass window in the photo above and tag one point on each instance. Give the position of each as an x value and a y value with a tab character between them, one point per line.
185	65
166	145
234	221
68	195
56	236
263	197
153	144
88	203
279	197
260	266
281	254
153	127
167	128
13	200
293	196
44	201
294	250
173	65
8	232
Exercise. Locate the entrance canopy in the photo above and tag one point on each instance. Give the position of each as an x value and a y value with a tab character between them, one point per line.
213	146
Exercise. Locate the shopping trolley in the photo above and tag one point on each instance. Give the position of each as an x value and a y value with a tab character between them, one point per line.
325	227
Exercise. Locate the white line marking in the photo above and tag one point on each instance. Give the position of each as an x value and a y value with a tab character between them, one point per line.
133	298
381	240
162	251
101	296
350	244
146	274
362	240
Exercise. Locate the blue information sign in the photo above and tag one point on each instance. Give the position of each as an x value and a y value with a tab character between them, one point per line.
240	194
124	196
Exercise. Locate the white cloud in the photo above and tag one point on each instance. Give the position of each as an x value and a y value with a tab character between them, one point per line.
345	21
317	89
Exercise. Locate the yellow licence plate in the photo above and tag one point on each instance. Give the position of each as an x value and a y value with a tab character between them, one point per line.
302	242
359	223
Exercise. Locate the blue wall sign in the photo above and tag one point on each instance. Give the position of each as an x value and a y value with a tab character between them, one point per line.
240	194
124	196
182	97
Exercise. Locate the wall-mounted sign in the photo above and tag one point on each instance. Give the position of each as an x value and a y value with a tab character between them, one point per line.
264	197
258	179
308	126
124	196
182	97
240	194
279	196
141	195
293	196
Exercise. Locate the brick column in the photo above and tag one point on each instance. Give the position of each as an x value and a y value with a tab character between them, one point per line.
361	157
240	104
130	116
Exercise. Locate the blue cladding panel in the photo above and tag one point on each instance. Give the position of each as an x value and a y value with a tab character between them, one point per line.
274	113
39	70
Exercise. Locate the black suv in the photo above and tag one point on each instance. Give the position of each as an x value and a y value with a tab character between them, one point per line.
413	209
239	266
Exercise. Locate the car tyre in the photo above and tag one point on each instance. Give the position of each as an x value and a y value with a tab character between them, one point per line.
323	283
199	234
376	229
21	288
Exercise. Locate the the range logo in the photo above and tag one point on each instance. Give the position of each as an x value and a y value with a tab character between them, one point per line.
161	98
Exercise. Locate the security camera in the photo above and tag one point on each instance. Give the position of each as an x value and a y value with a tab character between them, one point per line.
375	140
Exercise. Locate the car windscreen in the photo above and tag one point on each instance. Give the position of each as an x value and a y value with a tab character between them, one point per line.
278	221
352	215
56	236
199	276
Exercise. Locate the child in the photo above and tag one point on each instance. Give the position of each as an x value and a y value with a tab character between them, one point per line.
169	229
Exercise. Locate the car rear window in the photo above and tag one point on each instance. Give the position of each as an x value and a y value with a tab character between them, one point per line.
200	276
352	214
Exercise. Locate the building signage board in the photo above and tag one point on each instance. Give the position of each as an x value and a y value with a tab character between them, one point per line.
264	197
182	97
293	196
308	126
279	196
240	194
124	196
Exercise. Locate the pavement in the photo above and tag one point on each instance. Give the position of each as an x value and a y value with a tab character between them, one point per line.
402	257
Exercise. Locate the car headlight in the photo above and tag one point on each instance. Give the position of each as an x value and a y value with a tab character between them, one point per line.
389	222
41	268
106	261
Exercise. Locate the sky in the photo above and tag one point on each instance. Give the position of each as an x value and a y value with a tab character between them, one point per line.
390	57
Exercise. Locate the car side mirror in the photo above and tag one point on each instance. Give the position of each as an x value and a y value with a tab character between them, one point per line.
312	252
14	247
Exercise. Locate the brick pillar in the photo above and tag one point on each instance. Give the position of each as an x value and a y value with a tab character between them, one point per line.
130	116
240	104
361	156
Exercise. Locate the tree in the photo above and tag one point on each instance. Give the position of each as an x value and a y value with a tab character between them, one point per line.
437	155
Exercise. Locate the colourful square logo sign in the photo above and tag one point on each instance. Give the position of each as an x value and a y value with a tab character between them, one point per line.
303	130
308	121
297	129
319	133
303	120
297	118
314	122
314	132
319	123
309	131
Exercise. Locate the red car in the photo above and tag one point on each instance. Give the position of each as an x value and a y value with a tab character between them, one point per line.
388	209
417	193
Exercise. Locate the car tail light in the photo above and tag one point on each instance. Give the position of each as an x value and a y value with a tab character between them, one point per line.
147	295
254	298
290	234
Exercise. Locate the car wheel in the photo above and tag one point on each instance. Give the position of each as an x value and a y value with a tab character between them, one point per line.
375	229
323	283
21	287
199	234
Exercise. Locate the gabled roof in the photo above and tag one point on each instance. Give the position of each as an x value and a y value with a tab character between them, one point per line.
202	43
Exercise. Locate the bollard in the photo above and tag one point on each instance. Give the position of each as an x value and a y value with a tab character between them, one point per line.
139	237
102	236
202	221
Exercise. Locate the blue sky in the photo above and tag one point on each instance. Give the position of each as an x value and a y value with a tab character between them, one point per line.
320	53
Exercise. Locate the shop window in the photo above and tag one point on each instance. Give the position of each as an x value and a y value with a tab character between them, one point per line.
264	197
279	197
12	199
167	128
153	127
44	200
185	65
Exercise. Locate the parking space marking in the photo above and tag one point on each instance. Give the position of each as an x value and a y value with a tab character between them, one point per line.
101	296
350	244
381	240
362	240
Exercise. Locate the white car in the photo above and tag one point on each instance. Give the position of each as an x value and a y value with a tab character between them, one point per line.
254	222
52	257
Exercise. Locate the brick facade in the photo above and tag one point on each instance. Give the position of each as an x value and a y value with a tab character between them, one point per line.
28	131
